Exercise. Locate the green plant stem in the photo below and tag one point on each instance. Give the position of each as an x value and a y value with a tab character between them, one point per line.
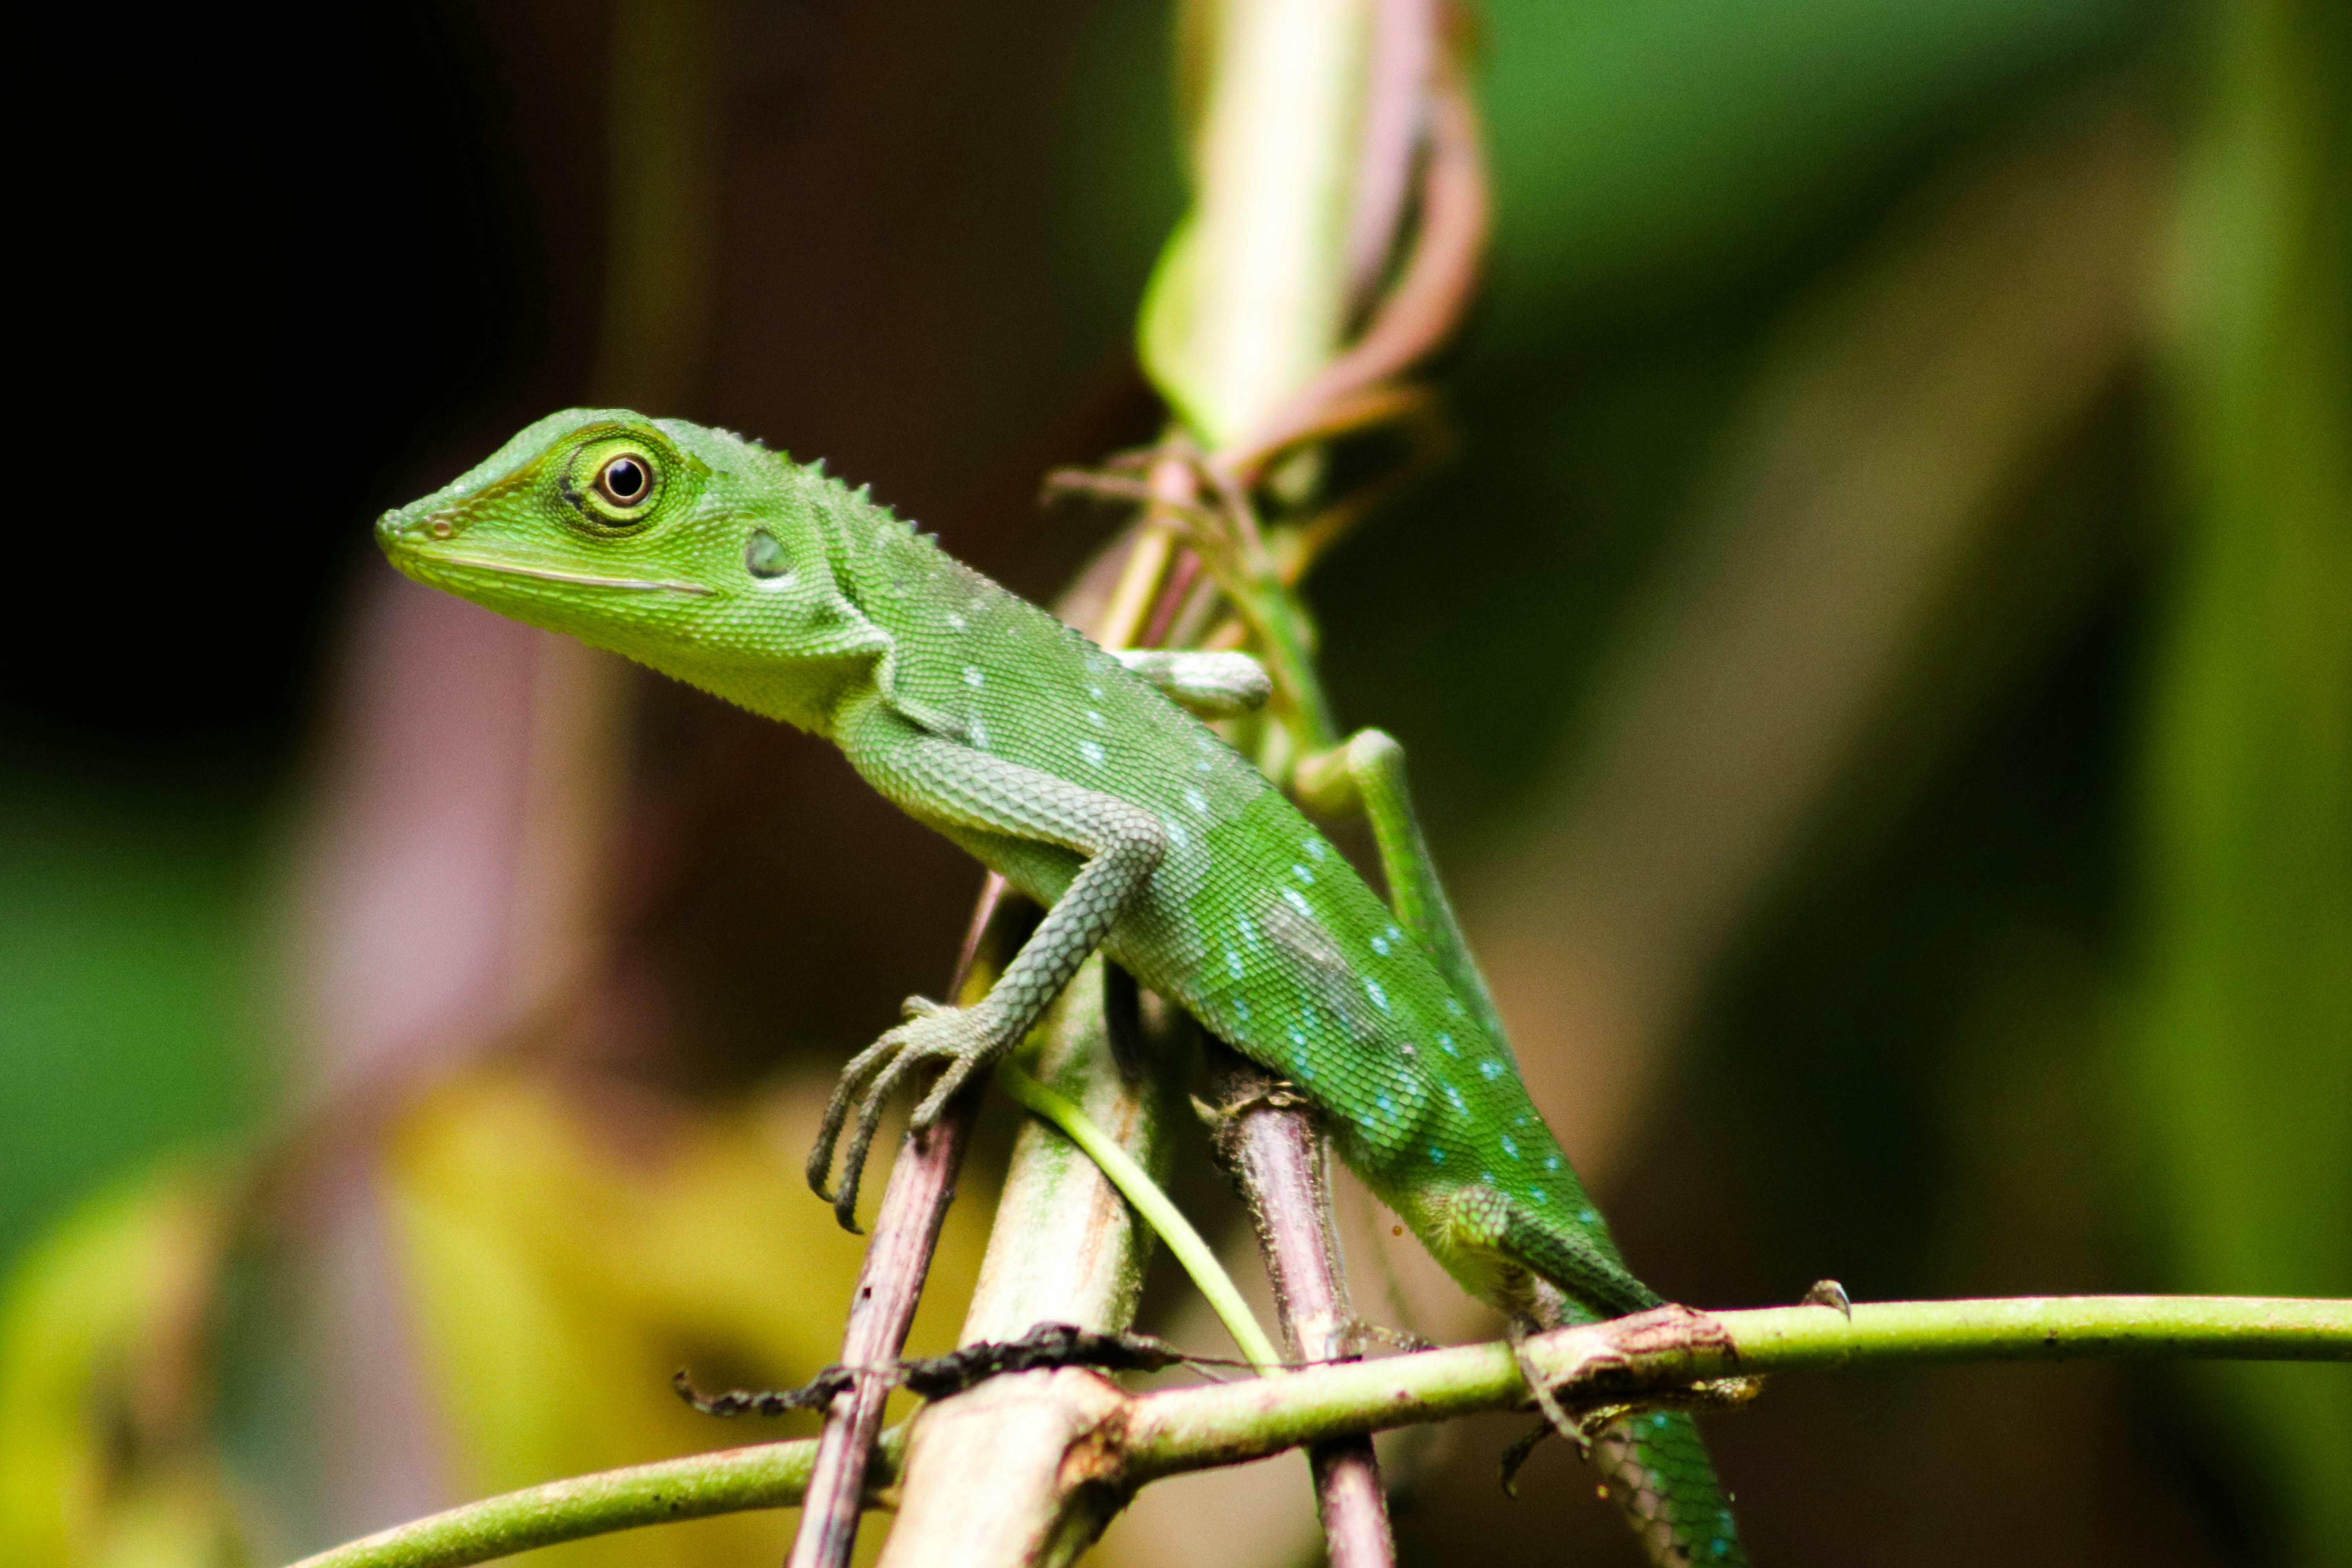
1182	1429
729	1481
1192	1429
1135	1183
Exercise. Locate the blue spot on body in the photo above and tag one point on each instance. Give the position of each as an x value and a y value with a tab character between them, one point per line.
1387	1106
1296	901
1589	1216
1490	1070
1552	1162
1233	963
1446	1044
1241	1008
1303	874
1436	1155
1315	847
1454	1006
1455	1095
1380	997
1380	945
1510	1148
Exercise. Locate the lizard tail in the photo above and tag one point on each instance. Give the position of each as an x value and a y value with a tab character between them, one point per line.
1657	1472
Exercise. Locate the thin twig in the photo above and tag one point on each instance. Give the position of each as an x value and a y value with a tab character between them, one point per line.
889	1286
1273	1146
1157	1210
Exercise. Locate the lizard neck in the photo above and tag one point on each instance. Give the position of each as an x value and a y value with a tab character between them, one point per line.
807	692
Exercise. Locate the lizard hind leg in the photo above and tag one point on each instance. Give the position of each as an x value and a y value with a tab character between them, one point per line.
1478	1221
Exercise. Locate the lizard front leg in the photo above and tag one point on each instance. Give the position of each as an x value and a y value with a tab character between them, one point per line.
957	785
1366	773
1213	685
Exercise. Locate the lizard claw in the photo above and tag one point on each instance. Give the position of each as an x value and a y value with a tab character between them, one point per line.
1828	1293
954	1037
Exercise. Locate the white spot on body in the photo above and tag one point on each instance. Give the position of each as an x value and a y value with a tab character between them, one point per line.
1552	1162
1296	901
1317	849
1197	801
1233	963
1380	997
1095	719
1092	751
1380	945
1510	1148
1490	1070
1454	1096
972	677
979	732
1303	874
1177	834
1446	1043
957	623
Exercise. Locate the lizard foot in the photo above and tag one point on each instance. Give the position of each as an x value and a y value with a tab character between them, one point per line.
958	1040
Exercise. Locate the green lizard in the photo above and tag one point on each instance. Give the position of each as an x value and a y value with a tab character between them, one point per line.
1072	773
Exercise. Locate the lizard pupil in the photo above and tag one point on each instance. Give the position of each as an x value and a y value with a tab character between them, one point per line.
624	481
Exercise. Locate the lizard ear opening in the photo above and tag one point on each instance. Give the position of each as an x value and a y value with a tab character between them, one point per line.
764	558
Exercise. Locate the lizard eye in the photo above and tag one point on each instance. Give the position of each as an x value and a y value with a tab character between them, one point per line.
626	480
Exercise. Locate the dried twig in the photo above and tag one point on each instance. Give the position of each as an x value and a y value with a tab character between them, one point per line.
1269	1140
889	1285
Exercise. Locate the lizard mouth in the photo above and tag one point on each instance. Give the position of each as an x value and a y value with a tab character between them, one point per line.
556	574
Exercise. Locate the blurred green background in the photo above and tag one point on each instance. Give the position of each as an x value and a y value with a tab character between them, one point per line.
1879	668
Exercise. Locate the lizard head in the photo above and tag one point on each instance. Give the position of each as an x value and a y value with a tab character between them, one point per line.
685	548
